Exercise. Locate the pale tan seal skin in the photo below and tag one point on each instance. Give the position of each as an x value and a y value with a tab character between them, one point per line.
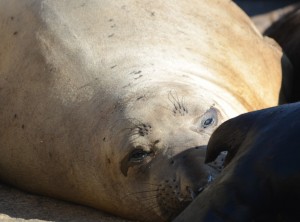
111	103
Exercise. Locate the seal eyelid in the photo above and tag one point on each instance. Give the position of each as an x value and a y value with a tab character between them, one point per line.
138	155
210	118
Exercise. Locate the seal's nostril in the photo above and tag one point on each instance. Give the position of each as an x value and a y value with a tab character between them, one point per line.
191	192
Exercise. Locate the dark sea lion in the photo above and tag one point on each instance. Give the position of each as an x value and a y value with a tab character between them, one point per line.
261	178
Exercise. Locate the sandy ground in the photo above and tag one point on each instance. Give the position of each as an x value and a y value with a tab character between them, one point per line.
18	206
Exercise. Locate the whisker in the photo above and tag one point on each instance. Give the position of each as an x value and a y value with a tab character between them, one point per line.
152	207
151	198
145	191
150	184
139	192
148	212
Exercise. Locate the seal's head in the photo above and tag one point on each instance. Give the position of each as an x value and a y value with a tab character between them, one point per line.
163	150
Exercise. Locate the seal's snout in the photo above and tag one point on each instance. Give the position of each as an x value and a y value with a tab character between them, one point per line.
189	177
194	174
196	191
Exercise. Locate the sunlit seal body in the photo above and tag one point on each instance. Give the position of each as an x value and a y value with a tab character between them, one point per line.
261	179
110	104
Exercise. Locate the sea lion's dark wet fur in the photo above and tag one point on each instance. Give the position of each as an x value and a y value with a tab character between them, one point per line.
262	178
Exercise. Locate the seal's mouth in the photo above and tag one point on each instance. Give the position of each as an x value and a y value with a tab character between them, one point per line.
195	194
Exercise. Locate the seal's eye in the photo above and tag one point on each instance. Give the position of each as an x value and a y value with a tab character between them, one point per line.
138	155
207	122
210	118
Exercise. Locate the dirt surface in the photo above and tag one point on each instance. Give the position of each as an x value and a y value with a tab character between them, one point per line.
18	206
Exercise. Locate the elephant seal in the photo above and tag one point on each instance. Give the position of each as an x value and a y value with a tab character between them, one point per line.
261	178
110	104
286	31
